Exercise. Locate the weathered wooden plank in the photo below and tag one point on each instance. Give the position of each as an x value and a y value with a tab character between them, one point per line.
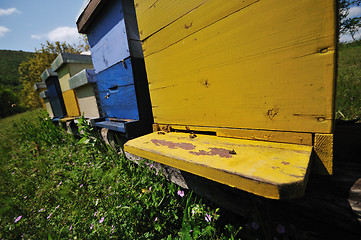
56	98
87	13
87	101
329	209
281	78
107	52
86	76
155	15
71	103
261	135
120	74
201	17
120	102
272	170
73	58
323	163
44	95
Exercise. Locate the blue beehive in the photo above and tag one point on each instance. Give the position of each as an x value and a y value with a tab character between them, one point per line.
55	97
118	62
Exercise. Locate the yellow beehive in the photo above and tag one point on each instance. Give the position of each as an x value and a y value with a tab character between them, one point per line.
257	70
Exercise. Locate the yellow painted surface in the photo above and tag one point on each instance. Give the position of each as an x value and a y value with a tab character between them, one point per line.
272	170
323	160
48	107
257	65
71	103
66	119
260	135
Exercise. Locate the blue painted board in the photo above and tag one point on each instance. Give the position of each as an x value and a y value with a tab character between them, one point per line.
119	102
120	74
56	97
115	126
110	15
111	49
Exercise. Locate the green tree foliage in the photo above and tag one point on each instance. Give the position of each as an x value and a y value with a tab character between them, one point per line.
31	69
349	25
9	103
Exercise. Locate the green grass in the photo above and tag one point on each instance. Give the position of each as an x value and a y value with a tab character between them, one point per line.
348	97
53	186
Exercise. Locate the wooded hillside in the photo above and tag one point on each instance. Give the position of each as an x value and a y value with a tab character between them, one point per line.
9	64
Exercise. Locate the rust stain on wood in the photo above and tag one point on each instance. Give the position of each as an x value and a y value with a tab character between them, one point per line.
225	153
173	145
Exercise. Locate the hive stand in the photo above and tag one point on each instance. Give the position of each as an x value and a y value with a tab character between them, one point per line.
67	65
50	78
118	61
240	99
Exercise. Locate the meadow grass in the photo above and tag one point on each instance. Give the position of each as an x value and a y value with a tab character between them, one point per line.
54	186
348	91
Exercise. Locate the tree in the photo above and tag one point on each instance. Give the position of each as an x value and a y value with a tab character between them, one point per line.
349	25
31	69
9	103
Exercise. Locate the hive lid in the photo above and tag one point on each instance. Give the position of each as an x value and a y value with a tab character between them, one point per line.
87	13
272	170
39	85
64	58
47	74
83	77
44	94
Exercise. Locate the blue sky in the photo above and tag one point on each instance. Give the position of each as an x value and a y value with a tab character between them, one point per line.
25	24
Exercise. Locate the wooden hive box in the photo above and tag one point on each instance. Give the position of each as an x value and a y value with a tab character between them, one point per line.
255	80
119	67
50	78
39	87
86	90
44	95
67	65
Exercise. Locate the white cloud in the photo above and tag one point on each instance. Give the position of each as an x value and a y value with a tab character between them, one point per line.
354	12
348	38
8	11
3	31
68	34
37	36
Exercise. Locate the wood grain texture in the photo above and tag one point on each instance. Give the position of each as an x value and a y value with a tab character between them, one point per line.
120	74
119	102
251	134
167	12
329	210
272	170
323	159
229	74
112	48
71	103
